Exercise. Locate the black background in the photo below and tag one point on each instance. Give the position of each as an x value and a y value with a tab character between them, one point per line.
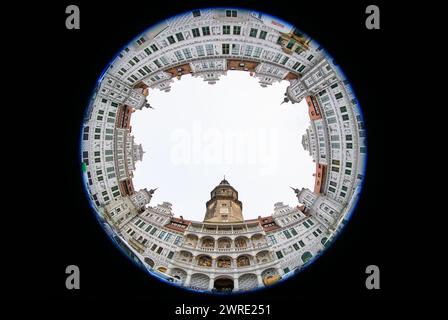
53	226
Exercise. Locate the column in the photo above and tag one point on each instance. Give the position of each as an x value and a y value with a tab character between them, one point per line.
187	279
280	272
236	284
259	279
211	283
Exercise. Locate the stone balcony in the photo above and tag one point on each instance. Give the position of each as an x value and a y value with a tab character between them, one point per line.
231	249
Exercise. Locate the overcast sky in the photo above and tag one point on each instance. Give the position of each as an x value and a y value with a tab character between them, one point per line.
198	133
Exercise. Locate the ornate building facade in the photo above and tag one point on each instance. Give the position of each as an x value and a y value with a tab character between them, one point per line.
224	252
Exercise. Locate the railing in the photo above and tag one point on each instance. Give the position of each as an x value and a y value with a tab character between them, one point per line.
228	232
257	246
232	269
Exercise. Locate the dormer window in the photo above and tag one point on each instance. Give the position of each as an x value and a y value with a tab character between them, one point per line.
231	13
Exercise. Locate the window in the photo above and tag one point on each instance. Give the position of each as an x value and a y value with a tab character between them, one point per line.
157	63
349	145
253	32
225	29
335	162
154	47
170	255
277	57
334	85
310	57
311	222
315	234
178	239
343	109
348	172
225	48
153	231
272	239
148	52
231	13
187	53
200	51
301	243
287	234
335	169
210	49
293	231
248	51
263	34
301	69
345	117
179	55
279	254
335	145
296	246
159	251
236	30
195	32
205	31
235	49
180	36
348	137
338	95
306	224
154	246
196	13
171	39
257	52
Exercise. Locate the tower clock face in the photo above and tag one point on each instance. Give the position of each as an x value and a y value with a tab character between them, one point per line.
222	91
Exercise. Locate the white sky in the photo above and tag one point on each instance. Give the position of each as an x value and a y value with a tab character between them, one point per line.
198	133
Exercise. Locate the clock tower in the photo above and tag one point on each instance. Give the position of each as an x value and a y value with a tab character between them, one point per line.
224	205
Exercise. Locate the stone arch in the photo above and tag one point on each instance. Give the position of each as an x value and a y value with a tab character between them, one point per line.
241	242
191	240
248	281
162	269
224	243
306	256
223	284
258	240
224	262
324	241
207	242
179	274
199	281
185	256
270	276
149	262
204	261
243	260
263	256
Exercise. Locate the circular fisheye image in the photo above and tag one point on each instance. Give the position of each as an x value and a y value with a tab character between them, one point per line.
223	150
